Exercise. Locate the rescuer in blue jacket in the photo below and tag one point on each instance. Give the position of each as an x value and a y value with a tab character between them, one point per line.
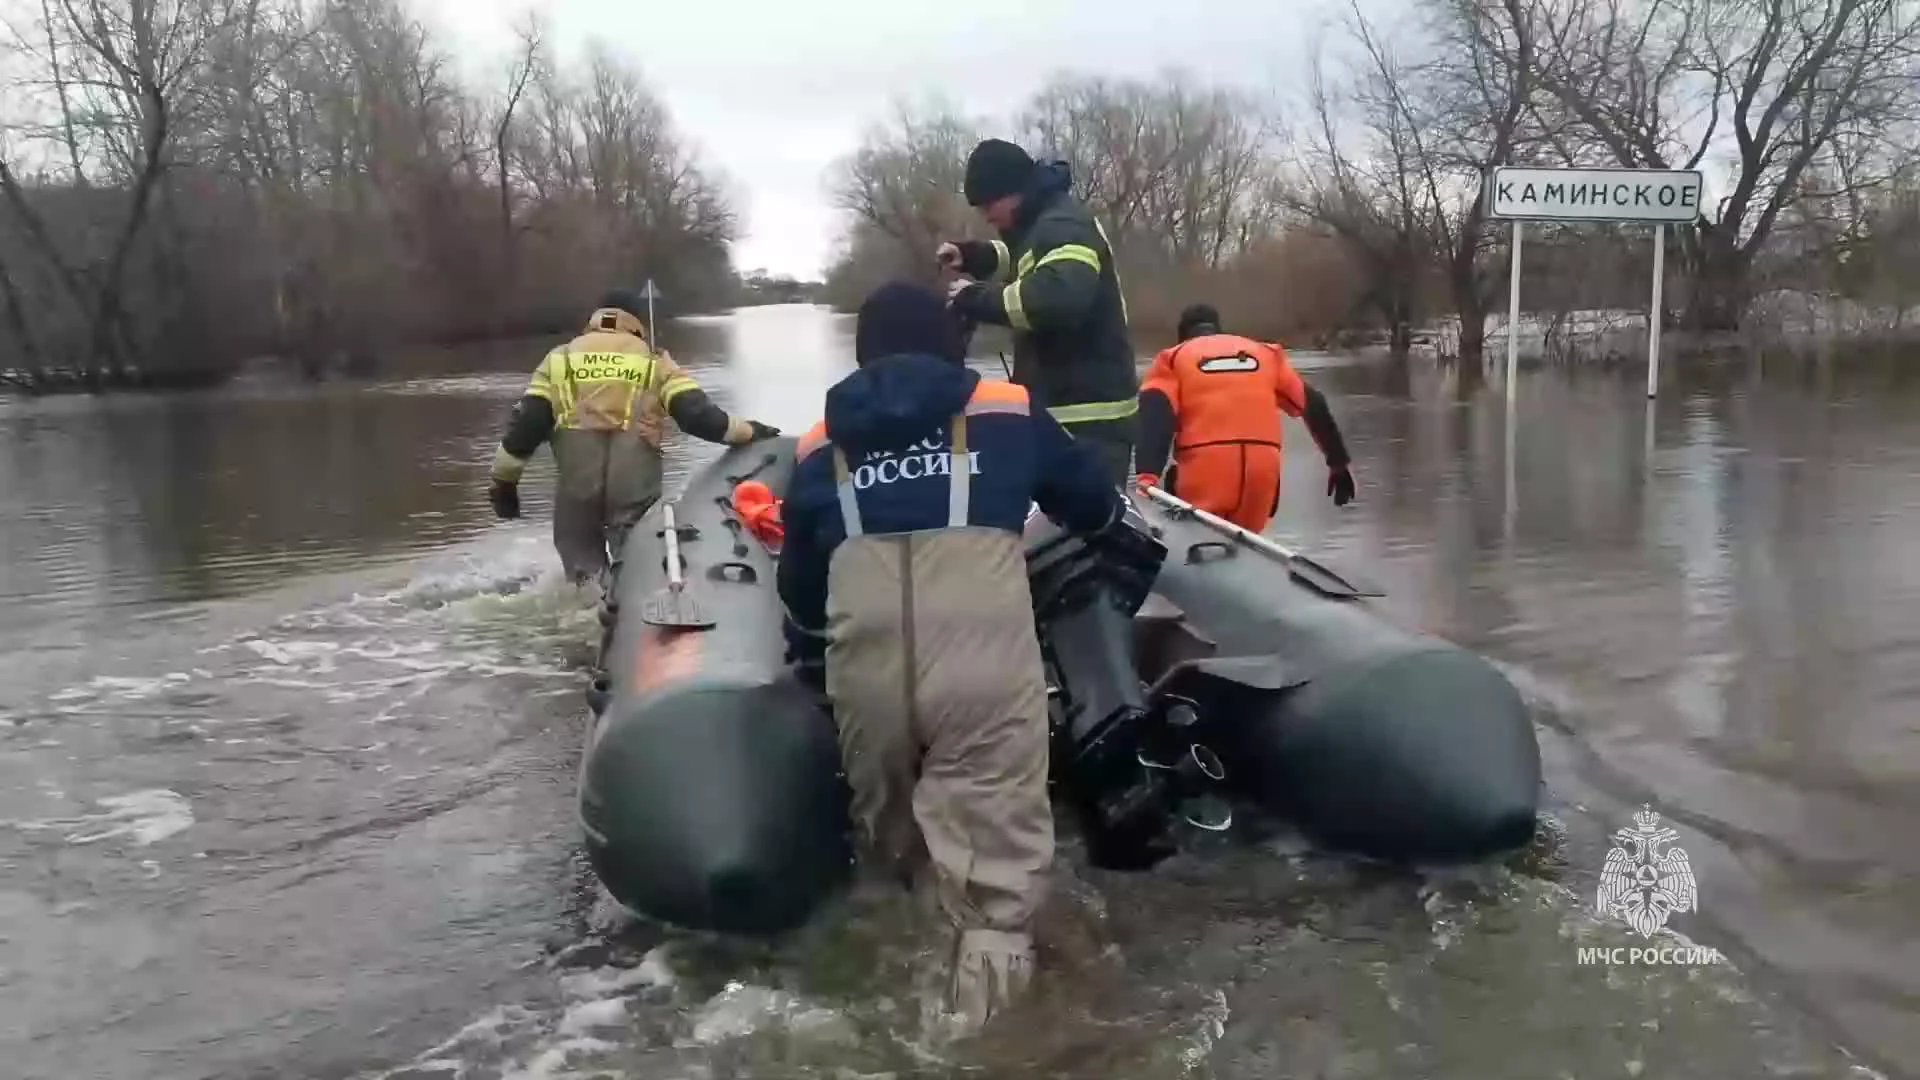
903	576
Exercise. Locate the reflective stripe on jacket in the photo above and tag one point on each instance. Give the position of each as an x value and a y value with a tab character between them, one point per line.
1063	299
609	379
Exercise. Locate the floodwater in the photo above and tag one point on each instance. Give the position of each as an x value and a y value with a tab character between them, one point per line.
288	731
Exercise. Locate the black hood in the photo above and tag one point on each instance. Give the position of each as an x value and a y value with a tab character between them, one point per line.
1051	179
896	400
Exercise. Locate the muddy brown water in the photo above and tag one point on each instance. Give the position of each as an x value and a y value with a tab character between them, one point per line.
288	731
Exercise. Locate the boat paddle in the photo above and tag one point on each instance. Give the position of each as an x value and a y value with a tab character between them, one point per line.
1306	571
673	606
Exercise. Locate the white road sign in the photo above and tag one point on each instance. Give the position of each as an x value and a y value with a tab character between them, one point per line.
1664	195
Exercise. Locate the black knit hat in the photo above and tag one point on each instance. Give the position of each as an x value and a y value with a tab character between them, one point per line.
900	317
1198	319
995	170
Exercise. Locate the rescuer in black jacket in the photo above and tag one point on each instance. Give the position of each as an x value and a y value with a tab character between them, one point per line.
1054	283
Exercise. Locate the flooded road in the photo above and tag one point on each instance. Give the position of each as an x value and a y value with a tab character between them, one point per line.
288	727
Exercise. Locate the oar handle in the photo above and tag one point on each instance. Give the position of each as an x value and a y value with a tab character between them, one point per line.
1244	535
673	548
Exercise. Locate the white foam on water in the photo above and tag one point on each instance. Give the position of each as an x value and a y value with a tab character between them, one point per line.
600	1005
293	652
589	1015
120	687
1212	1026
489	1029
552	1062
510	566
144	817
739	1009
499	608
602	981
547	1045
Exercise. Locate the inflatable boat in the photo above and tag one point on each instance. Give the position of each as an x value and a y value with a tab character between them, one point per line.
1194	669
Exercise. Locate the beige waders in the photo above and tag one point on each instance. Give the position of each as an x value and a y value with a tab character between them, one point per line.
606	481
935	675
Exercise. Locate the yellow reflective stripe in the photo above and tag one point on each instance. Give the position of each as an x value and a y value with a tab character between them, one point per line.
506	466
541	385
675	386
1093	411
1016	311
1118	285
559	380
1025	264
1079	253
1002	260
633	391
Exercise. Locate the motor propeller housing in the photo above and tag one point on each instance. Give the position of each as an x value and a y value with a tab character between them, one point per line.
1122	762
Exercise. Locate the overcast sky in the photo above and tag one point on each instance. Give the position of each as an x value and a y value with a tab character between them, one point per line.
773	92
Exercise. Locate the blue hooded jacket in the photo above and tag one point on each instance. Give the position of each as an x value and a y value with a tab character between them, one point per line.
891	420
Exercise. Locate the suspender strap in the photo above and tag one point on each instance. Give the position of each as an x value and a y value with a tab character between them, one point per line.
959	482
849	505
958	479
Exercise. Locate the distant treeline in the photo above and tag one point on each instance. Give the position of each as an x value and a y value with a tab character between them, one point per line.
184	186
1362	211
760	287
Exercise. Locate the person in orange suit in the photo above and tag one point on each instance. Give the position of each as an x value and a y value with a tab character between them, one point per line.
1214	400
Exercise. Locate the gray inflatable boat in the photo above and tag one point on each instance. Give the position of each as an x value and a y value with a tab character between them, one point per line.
711	795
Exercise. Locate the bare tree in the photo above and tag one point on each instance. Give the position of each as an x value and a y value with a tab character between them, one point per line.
1177	174
1179	170
213	179
1369	197
1665	83
528	61
904	182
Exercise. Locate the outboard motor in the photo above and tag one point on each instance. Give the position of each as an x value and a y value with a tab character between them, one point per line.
1085	593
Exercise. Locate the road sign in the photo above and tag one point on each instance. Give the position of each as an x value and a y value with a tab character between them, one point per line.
650	292
1659	197
1652	195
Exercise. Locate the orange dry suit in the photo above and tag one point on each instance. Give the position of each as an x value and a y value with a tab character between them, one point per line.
1216	401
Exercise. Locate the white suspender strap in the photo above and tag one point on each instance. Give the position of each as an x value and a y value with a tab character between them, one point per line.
849	506
958	483
958	479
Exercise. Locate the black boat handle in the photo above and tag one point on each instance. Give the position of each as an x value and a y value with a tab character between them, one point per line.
747	574
1194	550
753	472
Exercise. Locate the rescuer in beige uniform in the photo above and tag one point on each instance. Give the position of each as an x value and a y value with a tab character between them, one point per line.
904	578
603	399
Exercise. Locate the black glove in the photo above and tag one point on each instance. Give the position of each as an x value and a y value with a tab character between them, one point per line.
505	498
1340	485
762	431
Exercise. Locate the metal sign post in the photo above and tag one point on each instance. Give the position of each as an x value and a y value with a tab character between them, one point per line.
1513	311
1653	316
652	293
1657	196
